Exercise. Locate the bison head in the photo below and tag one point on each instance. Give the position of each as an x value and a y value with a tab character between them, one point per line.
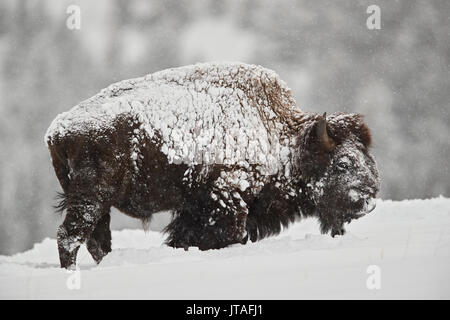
340	174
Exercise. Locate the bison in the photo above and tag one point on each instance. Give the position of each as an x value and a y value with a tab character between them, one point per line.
222	145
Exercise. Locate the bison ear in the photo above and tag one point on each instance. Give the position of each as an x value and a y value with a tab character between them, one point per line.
322	135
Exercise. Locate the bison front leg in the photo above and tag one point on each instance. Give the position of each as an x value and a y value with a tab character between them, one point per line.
212	220
331	223
82	217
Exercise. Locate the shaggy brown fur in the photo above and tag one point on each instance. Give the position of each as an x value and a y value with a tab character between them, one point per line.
329	173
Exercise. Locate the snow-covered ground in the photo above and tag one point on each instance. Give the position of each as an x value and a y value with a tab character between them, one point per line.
409	242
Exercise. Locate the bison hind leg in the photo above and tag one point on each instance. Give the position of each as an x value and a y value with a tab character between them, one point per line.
84	216
99	242
68	246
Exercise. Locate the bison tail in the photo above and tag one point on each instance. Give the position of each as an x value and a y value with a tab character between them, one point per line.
61	197
62	170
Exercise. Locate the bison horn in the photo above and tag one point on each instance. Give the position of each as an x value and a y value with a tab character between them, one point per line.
322	135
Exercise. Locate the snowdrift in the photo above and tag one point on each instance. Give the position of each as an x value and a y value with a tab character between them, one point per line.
408	242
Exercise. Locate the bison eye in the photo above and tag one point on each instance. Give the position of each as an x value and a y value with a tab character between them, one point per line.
343	166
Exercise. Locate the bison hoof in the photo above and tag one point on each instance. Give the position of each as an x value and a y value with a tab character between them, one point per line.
97	250
339	231
178	244
244	239
67	249
67	260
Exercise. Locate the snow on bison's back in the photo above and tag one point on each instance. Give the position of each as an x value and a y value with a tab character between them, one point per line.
223	145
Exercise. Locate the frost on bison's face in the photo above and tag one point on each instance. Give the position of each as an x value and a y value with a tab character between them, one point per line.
343	175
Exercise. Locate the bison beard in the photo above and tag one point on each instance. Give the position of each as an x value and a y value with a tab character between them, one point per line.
135	146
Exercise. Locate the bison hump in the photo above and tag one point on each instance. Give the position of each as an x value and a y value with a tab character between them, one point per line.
208	112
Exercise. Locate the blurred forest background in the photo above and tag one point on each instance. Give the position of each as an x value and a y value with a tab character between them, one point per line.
397	76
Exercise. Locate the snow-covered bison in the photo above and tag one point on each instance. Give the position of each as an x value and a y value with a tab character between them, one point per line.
222	145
